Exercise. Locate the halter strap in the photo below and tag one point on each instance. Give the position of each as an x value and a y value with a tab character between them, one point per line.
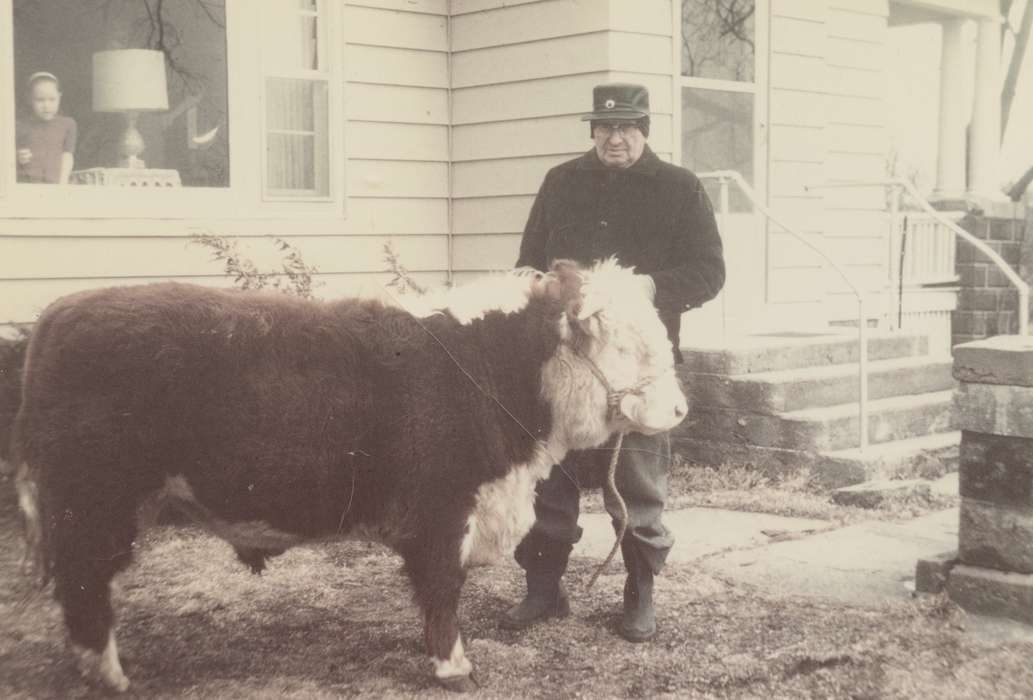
615	396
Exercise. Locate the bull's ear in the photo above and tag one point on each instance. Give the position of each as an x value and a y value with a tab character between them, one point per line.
564	285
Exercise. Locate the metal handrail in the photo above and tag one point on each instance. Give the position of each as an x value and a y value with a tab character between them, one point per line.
723	177
981	246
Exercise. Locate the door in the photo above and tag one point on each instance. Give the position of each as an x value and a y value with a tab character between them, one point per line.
722	124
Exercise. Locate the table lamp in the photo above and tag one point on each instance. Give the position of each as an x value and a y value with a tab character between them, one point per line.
130	81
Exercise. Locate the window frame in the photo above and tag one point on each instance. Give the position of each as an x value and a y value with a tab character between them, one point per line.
244	198
327	62
758	88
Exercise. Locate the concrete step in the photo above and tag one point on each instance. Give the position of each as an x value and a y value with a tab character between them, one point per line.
797	389
825	428
780	351
926	456
923	456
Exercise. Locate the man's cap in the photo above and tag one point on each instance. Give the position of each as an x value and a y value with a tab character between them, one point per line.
618	101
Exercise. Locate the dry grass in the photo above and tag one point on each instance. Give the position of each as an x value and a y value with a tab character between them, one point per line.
744	488
336	620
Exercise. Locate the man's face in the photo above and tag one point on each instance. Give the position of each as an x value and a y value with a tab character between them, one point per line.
45	99
618	144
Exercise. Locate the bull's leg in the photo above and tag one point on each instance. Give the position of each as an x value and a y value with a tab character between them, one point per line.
89	549
437	579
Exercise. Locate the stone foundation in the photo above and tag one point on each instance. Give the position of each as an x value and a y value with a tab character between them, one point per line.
994	408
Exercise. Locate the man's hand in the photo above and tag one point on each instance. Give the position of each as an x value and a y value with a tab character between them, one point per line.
24	156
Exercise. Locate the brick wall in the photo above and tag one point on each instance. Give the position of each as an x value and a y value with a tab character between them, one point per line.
987	302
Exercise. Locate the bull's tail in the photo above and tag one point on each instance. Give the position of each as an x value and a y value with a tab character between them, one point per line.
36	559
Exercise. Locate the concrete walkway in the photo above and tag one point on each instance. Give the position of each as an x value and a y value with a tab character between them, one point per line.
861	564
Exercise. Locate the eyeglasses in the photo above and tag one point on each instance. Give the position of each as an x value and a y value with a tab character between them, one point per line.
608	130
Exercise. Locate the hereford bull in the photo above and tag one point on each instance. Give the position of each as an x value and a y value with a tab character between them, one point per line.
273	420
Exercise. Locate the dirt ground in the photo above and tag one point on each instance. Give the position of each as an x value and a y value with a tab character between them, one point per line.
337	620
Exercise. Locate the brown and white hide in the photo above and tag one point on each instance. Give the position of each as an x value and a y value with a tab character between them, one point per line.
273	420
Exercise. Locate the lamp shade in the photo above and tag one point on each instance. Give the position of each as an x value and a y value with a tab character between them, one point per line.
129	80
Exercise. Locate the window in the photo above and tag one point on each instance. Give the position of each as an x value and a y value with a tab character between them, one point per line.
718	89
297	106
244	126
87	55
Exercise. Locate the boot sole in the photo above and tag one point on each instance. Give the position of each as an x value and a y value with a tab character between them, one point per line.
636	637
561	610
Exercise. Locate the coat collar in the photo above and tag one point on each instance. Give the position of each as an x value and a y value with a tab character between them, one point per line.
647	164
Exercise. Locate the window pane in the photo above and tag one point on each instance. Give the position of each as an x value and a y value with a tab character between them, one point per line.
718	39
298	158
291	158
291	35
717	134
188	140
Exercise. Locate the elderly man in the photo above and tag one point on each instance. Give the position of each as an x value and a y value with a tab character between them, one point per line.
618	199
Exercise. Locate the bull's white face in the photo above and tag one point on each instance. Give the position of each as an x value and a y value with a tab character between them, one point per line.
615	326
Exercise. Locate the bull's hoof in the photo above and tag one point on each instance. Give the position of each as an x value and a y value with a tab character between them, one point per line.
459	684
101	668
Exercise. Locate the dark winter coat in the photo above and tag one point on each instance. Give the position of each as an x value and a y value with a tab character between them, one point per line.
652	215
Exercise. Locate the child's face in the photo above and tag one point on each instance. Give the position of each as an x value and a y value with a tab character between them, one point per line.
45	99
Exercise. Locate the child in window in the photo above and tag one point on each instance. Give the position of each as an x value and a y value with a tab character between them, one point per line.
45	141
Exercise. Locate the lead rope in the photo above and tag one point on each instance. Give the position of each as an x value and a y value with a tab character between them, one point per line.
611	489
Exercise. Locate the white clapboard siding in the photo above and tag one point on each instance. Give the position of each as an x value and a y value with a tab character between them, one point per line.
797	108
851	138
796	284
563	94
790	178
430	7
382	65
880	8
536	137
855	82
71	258
851	53
463	7
793	35
802	144
23	300
491	214
521	24
794	72
501	177
380	141
845	166
845	109
640	53
812	10
486	252
393	103
854	198
871	28
850	251
586	53
397	178
388	216
786	251
391	28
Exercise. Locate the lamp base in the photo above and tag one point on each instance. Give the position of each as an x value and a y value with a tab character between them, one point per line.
131	145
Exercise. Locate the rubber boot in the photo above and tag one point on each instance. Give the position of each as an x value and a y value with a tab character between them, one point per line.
544	562
638	623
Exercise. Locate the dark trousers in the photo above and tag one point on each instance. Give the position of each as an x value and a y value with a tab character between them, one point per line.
641	479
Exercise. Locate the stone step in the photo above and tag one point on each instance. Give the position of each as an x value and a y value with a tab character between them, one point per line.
923	456
825	428
796	389
768	352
